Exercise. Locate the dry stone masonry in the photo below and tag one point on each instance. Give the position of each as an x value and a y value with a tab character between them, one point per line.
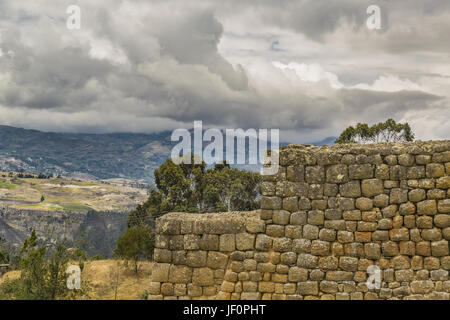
327	216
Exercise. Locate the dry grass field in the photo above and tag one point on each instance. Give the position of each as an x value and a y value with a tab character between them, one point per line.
63	194
109	280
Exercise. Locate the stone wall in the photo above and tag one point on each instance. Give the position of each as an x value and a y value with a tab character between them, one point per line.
326	216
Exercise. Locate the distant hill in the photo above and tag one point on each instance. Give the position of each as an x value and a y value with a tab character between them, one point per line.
113	155
125	155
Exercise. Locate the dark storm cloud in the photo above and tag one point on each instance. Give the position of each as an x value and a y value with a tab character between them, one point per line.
153	65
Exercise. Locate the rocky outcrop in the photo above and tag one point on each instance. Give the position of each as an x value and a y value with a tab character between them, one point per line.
100	229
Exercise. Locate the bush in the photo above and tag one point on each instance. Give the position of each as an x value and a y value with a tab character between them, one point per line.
135	245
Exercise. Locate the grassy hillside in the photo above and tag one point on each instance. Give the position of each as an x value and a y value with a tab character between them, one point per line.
102	277
126	155
70	195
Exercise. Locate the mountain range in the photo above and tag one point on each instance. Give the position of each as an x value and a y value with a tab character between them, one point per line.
94	156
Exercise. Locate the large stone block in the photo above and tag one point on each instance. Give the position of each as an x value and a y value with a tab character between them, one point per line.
196	258
372	187
316	217
398	196
216	260
180	274
439	248
209	242
315	174
417	195
320	248
444	206
263	242
297	274
308	288
203	277
422	286
351	189
271	202
308	261
361	171
337	173
282	244
281	217
435	170
427	207
160	272
245	241
227	242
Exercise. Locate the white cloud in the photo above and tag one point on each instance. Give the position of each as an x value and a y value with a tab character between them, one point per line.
154	65
390	83
296	72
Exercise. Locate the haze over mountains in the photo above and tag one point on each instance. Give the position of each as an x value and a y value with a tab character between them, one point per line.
125	155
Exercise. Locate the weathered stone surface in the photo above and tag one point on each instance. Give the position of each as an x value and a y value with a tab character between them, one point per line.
422	286
444	206
337	173
301	245
308	288
310	232
326	217
407	208
435	170
227	242
293	232
298	274
316	217
271	203
361	171
282	244
216	260
398	196
315	174
180	274
209	242
350	189
281	217
381	200
305	260
416	195
431	234
372	187
255	225
160	272
263	242
296	173
290	204
196	258
390	249
275	230
439	248
203	277
442	220
427	207
320	248
299	218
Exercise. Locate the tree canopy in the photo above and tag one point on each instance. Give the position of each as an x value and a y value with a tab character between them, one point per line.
43	272
388	131
196	188
135	245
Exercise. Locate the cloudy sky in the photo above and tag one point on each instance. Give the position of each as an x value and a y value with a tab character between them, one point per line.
307	67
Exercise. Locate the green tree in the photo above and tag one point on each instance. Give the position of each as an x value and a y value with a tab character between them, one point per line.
43	272
135	245
4	252
388	131
194	188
